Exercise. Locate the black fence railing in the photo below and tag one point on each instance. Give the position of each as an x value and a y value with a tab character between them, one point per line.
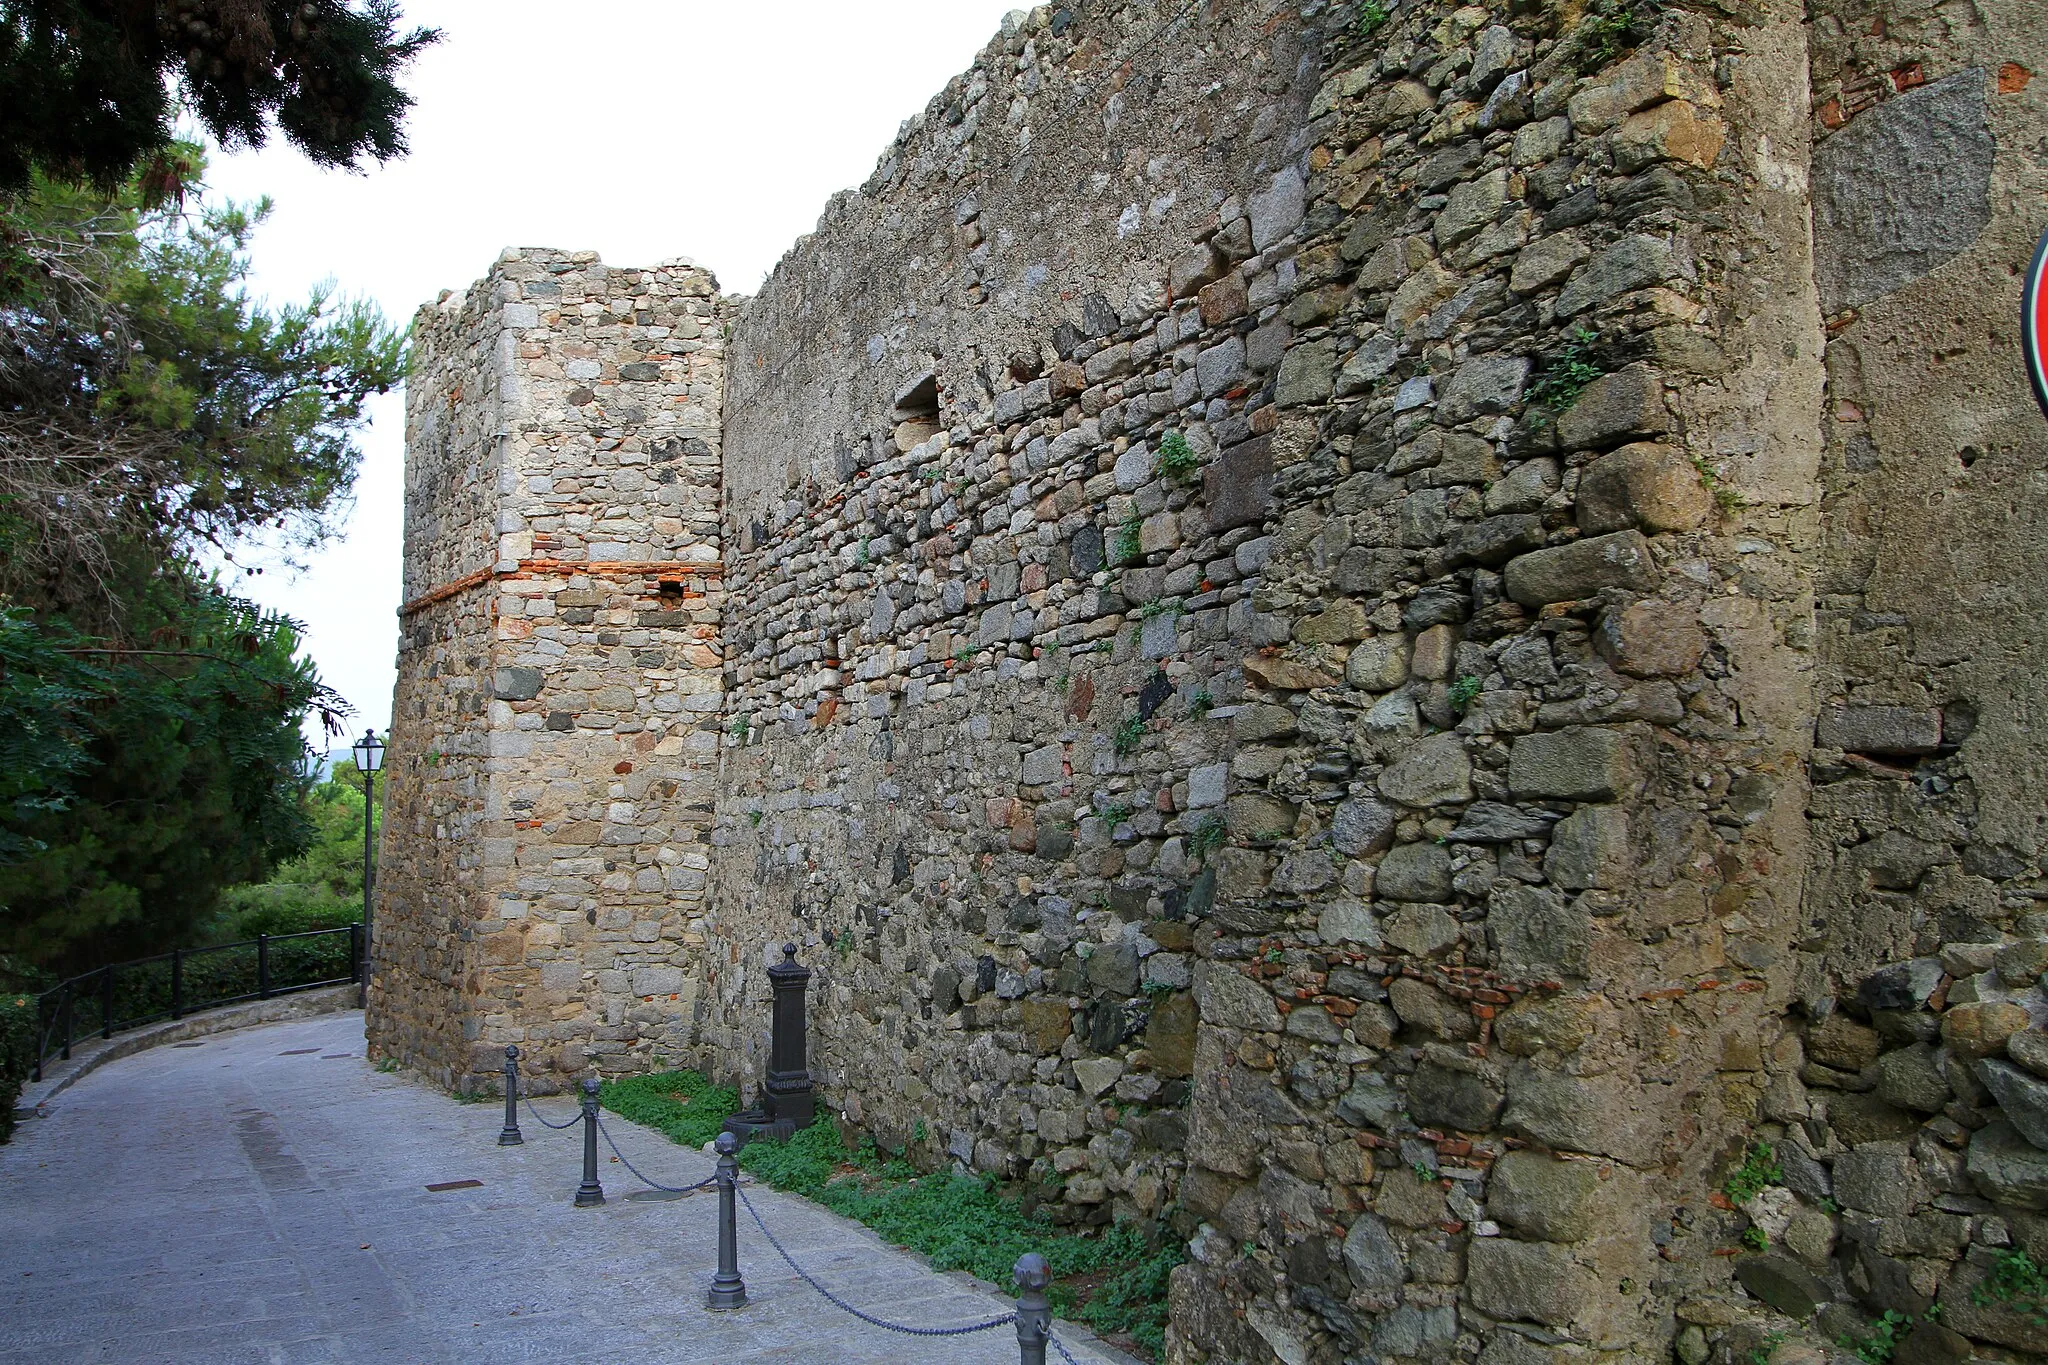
125	995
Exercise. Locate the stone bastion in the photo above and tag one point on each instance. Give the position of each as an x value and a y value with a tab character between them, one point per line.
1382	639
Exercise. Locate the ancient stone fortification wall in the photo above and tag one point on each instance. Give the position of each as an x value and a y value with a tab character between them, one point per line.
555	735
1344	640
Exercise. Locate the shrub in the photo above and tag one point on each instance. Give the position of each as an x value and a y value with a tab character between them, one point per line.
17	1054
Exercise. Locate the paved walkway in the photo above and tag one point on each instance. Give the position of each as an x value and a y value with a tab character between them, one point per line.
260	1196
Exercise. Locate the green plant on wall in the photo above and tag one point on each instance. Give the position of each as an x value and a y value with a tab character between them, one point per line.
1208	837
1130	735
1759	1170
1177	462
1565	378
1464	692
1128	543
1371	16
1606	34
2017	1282
1725	498
1201	704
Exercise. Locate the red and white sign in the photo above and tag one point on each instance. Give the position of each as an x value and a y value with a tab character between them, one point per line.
2034	323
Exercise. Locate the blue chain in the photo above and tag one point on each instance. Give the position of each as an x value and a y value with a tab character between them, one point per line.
868	1318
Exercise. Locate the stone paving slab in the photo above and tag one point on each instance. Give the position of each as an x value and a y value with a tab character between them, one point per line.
229	1202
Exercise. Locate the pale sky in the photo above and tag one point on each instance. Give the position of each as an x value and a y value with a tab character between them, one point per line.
639	129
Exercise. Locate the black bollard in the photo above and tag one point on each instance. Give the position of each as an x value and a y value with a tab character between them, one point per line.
1034	1310
510	1136
787	1101
589	1194
728	1290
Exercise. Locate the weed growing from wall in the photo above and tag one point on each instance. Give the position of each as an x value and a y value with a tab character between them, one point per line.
2016	1282
1566	377
1127	545
1759	1170
1130	735
1177	462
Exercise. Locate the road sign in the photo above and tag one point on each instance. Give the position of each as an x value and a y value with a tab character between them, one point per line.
2034	323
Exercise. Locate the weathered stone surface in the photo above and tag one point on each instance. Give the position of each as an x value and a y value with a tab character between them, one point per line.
1379	664
1362	826
1584	763
1645	485
1544	1197
2007	1169
1782	1283
1900	986
517	684
1228	998
1897	730
1589	849
1535	929
1529	1281
1370	1102
1614	407
1651	639
1566	573
1635	262
1372	1256
1415	872
1901	190
2022	1095
1910	1078
1424	930
1877	1177
1483	384
1980	1028
1433	772
2029	1047
1170	1035
1673	131
1047	1024
1455	1099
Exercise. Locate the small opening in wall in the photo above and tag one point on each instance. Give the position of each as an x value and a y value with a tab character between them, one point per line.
671	587
916	412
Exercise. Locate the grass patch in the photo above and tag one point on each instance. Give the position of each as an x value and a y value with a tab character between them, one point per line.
681	1104
1115	1283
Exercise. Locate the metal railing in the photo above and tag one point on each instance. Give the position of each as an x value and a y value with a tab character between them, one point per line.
125	995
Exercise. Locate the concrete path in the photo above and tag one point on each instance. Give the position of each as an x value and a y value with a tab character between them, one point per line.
260	1196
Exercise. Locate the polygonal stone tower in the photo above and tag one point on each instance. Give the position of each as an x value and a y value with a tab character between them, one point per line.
554	733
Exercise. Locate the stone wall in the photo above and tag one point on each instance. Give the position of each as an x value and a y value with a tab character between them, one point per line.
1342	644
555	731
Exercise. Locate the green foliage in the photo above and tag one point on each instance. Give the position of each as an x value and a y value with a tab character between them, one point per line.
1755	1238
1202	703
1758	1171
741	724
1563	378
1177	461
1761	1354
183	779
755	817
1465	691
682	1104
2016	1282
862	555
1127	544
1114	813
1884	1338
18	1043
1607	33
956	1222
1156	607
174	414
1129	735
1159	990
1208	837
1725	497
1371	16
94	88
320	889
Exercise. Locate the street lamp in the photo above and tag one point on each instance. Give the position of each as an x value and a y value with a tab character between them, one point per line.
369	752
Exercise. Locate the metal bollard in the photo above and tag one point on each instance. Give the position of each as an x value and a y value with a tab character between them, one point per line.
510	1136
728	1290
1034	1310
589	1194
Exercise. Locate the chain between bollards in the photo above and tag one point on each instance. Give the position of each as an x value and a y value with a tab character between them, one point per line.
510	1137
728	1290
589	1194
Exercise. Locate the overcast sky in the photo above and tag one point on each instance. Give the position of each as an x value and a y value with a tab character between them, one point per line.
640	129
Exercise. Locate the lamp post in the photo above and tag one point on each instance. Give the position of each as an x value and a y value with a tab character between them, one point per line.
369	751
